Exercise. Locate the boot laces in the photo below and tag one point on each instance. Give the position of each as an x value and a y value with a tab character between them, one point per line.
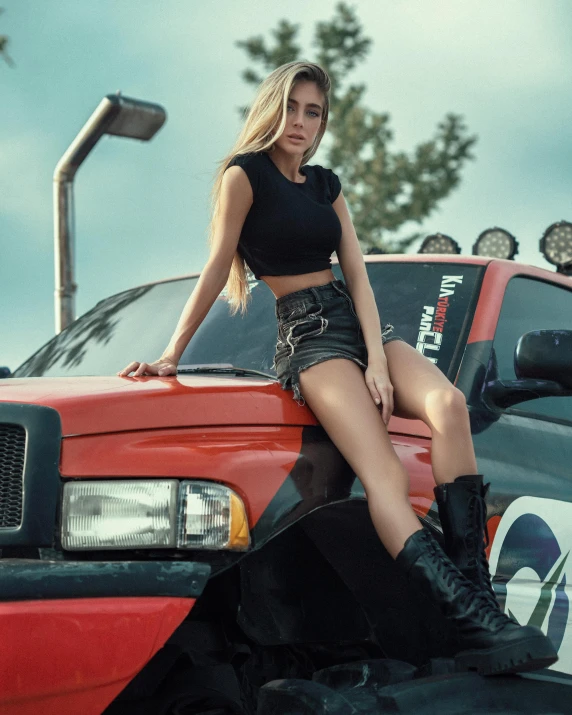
477	510
470	597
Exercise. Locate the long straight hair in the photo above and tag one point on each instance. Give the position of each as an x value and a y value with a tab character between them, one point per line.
265	121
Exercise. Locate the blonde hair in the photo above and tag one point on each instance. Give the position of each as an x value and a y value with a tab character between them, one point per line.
265	121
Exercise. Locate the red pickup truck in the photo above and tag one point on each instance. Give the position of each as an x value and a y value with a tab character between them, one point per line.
197	544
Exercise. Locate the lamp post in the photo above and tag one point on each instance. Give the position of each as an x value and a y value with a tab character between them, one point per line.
116	115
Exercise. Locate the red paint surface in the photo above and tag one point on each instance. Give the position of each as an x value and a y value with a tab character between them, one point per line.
96	405
72	657
497	275
492	526
93	405
253	461
415	455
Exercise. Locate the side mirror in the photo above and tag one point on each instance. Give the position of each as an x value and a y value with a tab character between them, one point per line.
543	366
5	372
545	355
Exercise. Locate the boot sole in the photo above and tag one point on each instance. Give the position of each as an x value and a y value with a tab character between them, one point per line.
531	654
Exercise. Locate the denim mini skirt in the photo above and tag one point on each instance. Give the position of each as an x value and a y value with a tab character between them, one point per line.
317	324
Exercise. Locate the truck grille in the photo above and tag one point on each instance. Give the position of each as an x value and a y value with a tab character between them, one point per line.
12	452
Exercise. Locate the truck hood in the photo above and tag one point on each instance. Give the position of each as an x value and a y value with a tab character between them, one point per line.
96	405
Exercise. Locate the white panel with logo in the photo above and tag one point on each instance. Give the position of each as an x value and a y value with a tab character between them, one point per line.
531	560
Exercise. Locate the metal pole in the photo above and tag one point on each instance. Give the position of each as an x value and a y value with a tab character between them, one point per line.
117	115
64	232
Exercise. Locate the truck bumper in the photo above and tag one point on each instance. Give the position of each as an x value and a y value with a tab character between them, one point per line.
75	633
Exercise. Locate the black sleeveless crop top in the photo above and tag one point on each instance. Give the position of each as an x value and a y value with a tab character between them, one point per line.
291	227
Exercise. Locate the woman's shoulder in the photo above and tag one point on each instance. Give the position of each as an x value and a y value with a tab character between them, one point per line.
321	169
329	179
253	158
253	164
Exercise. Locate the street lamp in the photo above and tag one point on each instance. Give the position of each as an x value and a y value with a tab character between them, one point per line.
116	115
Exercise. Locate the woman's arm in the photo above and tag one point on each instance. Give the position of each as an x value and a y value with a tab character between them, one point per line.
356	278
211	281
235	201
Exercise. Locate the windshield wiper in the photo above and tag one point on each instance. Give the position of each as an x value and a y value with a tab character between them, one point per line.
223	369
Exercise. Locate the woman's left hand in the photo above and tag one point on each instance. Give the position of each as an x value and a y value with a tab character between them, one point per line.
380	387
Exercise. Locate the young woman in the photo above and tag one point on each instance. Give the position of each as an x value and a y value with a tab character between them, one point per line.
283	218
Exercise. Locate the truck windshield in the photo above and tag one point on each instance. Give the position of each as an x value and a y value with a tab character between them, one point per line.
430	305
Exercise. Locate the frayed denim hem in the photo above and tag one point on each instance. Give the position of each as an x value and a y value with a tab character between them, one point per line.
386	338
322	320
292	382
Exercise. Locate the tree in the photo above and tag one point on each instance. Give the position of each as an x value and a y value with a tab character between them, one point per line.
383	189
3	45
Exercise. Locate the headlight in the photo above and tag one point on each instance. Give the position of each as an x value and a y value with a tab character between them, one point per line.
211	517
158	513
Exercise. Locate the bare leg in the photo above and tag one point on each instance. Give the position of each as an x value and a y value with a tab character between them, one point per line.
336	392
421	391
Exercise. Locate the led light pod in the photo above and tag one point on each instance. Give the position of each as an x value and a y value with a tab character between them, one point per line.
556	243
496	242
439	243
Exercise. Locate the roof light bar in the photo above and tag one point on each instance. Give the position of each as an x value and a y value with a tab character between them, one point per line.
556	244
439	243
496	242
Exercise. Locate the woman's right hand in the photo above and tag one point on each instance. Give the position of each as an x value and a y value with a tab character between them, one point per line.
161	367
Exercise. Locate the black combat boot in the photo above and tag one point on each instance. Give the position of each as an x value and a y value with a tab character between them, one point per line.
463	516
488	641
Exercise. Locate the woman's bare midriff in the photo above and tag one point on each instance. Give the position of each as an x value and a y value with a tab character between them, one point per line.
282	285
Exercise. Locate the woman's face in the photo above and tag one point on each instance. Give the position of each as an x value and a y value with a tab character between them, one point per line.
304	117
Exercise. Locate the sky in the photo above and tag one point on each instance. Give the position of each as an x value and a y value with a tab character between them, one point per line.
142	209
